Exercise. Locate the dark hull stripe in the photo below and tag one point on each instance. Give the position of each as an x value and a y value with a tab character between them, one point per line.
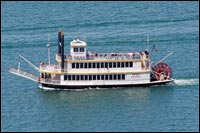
103	86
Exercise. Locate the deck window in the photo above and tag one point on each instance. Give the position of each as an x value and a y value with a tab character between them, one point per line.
73	65
75	49
115	77
114	64
119	76
102	65
98	77
81	49
127	64
98	66
73	77
106	64
86	77
106	77
77	65
110	76
42	76
123	76
85	65
94	77
90	77
69	77
65	77
102	77
81	65
131	64
81	77
89	65
118	64
94	65
77	77
110	64
122	64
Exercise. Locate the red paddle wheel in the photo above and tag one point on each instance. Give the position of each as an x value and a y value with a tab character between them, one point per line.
161	71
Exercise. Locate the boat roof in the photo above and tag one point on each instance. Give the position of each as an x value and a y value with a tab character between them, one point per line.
78	43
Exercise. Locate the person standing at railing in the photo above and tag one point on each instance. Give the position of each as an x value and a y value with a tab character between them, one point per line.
143	57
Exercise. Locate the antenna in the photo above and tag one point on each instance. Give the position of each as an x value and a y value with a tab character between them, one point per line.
48	45
163	58
147	42
49	38
84	38
148	48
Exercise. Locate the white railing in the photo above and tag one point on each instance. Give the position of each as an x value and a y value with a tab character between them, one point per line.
50	81
52	67
23	74
32	77
116	56
105	56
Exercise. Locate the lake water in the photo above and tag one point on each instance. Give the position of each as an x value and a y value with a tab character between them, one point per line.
107	27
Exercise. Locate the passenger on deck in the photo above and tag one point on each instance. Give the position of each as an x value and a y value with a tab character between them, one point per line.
147	53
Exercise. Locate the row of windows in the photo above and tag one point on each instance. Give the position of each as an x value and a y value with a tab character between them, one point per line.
103	65
95	77
81	49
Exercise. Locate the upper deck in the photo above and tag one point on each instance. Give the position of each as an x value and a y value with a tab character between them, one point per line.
95	62
106	57
101	63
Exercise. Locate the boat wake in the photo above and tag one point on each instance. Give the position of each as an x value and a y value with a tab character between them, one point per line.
182	82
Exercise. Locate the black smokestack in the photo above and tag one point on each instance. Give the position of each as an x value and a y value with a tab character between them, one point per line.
62	51
59	41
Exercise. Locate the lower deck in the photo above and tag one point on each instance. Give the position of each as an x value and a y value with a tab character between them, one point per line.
97	79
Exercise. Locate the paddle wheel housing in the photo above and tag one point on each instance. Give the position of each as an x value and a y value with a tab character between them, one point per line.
160	72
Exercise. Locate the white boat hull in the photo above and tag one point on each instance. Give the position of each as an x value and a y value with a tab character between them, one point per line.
43	85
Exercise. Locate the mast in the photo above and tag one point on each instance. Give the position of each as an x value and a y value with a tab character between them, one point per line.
48	45
148	50
147	42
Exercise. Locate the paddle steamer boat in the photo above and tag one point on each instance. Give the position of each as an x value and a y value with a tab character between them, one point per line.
82	68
